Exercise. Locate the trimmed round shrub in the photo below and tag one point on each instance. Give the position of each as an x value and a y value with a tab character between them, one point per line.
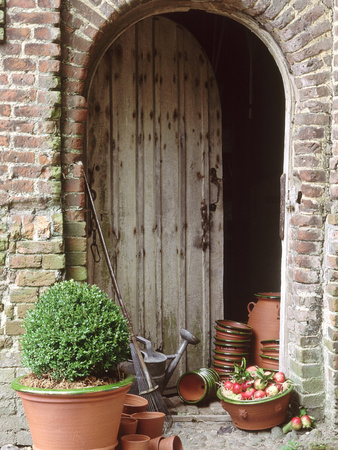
74	331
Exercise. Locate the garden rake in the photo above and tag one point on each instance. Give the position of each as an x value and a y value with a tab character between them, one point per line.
146	386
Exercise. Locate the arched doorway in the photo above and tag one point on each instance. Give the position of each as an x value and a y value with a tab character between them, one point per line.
252	98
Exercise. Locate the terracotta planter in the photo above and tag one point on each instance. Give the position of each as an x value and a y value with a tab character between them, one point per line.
171	443
155	442
150	423
74	419
135	442
265	322
134	403
257	414
198	385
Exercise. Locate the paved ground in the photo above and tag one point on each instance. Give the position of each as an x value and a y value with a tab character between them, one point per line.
210	428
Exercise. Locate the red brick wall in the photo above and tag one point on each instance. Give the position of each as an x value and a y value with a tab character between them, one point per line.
42	145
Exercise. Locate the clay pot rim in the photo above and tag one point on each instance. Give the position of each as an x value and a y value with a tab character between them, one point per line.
267	295
141	401
136	436
230	332
269	357
230	354
270	341
270	349
149	415
249	403
245	342
232	325
17	386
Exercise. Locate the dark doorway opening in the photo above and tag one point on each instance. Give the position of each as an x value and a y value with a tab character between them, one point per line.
253	109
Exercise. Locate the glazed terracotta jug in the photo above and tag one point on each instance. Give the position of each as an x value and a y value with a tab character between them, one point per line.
264	318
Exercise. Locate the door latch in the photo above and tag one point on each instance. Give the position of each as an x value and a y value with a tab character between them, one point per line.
217	181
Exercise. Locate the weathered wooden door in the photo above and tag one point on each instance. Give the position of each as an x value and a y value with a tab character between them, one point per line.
154	157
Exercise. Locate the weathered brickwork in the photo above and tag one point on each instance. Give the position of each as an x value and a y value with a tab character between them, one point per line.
50	44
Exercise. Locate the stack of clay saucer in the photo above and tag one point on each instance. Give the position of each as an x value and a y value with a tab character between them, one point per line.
270	354
232	343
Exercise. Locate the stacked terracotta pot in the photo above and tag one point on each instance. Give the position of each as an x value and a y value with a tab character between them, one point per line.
142	430
232	343
270	354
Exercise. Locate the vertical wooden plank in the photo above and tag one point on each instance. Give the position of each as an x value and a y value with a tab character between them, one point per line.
124	129
216	216
166	95
148	209
98	163
197	276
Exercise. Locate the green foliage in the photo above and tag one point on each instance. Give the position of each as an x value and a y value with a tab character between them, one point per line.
291	445
74	331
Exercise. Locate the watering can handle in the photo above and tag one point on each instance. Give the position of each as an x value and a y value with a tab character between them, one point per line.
251	306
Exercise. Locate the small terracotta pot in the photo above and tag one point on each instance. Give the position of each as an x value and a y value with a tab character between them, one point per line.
155	442
134	404
150	423
171	443
135	442
128	425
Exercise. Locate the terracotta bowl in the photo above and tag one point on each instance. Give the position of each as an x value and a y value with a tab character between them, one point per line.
232	325
226	342
230	356
257	414
134	403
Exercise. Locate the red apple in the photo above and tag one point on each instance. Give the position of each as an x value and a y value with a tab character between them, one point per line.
252	370
249	393
279	377
296	423
259	394
227	385
236	388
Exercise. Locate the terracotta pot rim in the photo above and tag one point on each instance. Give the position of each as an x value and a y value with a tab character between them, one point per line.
231	332
17	386
230	354
232	325
273	358
270	341
267	295
245	342
249	403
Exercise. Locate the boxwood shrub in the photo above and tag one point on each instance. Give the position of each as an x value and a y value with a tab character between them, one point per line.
74	331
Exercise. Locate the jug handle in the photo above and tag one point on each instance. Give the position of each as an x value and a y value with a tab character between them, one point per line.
251	306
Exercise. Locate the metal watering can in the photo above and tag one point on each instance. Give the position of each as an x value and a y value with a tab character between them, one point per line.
157	363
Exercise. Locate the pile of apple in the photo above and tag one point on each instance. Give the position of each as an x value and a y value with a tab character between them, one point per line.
303	421
253	383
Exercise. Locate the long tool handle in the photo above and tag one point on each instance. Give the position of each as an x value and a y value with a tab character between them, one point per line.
119	298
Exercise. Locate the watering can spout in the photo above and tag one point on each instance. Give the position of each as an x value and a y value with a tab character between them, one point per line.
188	338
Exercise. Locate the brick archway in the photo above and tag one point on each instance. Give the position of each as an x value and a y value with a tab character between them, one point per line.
300	39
